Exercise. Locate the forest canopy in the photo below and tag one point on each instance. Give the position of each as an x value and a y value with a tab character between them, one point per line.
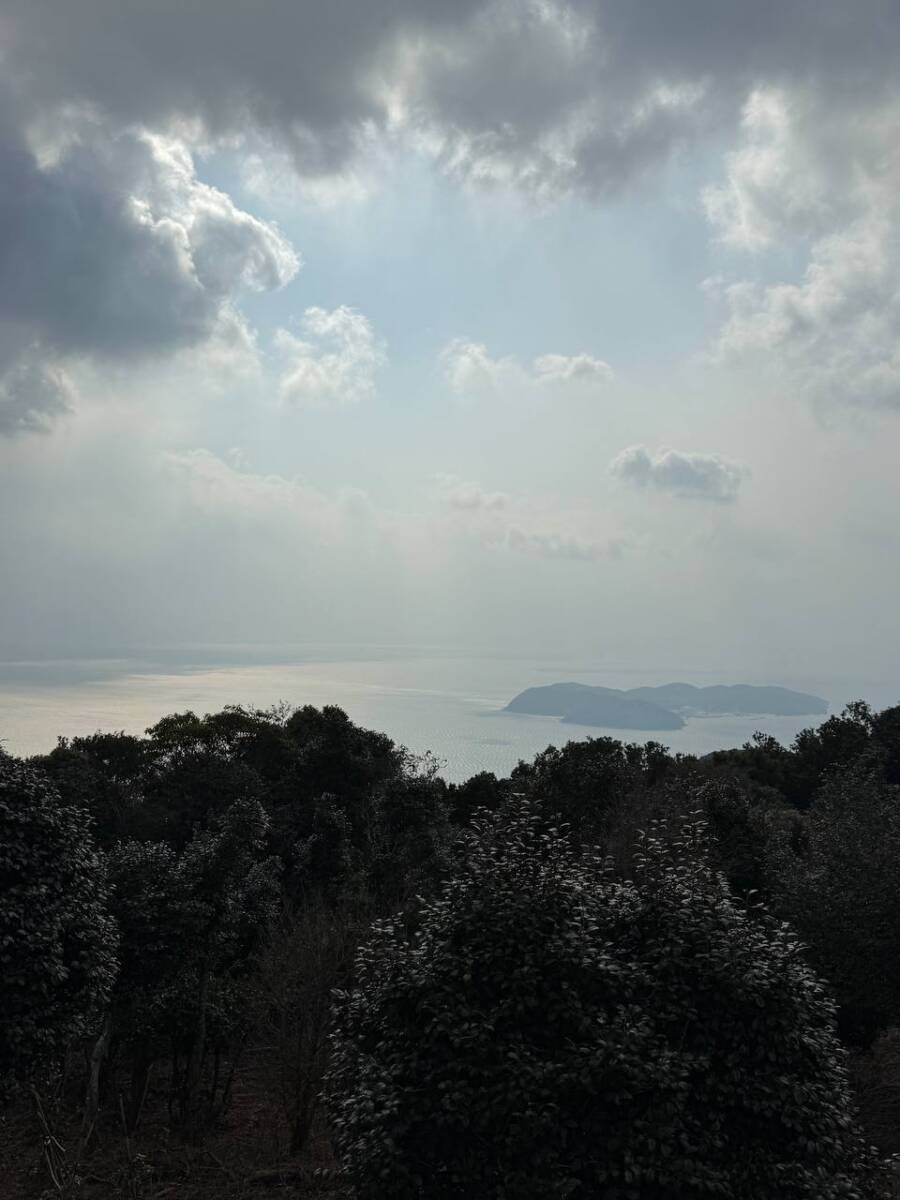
179	910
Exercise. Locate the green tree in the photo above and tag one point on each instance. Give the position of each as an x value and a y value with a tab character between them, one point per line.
551	1031
57	939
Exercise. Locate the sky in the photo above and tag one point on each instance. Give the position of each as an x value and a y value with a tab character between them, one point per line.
502	324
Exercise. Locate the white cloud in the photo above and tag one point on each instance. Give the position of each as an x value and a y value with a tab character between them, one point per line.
566	546
217	485
835	335
470	497
499	523
576	368
693	476
773	183
470	370
816	178
315	375
33	394
270	503
112	249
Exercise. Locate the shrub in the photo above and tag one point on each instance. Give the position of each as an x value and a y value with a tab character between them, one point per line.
549	1031
57	940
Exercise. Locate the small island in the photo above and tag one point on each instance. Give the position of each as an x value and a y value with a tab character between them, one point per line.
660	708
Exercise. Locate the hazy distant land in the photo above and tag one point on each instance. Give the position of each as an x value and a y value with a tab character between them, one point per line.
660	708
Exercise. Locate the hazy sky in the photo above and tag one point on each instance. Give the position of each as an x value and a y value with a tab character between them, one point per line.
517	323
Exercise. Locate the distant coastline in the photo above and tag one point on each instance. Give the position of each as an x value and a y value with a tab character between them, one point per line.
666	707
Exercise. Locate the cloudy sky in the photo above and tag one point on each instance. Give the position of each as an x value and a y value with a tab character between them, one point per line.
512	323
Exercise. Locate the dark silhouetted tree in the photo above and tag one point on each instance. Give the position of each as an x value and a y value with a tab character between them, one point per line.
191	924
550	1031
57	939
840	886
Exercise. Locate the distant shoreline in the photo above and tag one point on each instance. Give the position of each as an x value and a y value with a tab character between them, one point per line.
662	708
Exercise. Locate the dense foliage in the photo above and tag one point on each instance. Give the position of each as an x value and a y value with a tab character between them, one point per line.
177	909
549	1030
57	939
842	892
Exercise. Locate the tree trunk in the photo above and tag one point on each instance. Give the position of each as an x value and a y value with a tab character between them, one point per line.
92	1093
140	1077
191	1117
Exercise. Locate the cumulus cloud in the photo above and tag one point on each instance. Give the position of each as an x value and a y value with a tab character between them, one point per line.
314	81
833	334
335	363
545	94
836	333
470	497
469	369
773	182
549	96
111	248
589	94
117	248
814	173
576	368
693	476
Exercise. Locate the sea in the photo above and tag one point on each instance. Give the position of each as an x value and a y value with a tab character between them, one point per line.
444	702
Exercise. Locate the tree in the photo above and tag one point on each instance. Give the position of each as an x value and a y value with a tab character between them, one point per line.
57	939
102	773
481	791
191	924
308	954
762	765
552	1031
842	892
886	735
197	772
834	743
581	782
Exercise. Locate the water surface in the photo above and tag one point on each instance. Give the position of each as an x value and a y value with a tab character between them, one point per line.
439	701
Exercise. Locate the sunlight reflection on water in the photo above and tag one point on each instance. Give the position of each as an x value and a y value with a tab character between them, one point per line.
448	704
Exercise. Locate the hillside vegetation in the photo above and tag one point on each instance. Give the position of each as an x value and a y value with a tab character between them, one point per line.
270	952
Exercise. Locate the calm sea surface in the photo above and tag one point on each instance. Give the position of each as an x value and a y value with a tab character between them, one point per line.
425	699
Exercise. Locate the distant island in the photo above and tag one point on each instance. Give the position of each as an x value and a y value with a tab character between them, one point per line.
661	708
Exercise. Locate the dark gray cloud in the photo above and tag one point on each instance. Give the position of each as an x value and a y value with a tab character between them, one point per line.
117	248
693	476
580	93
112	248
310	74
588	94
